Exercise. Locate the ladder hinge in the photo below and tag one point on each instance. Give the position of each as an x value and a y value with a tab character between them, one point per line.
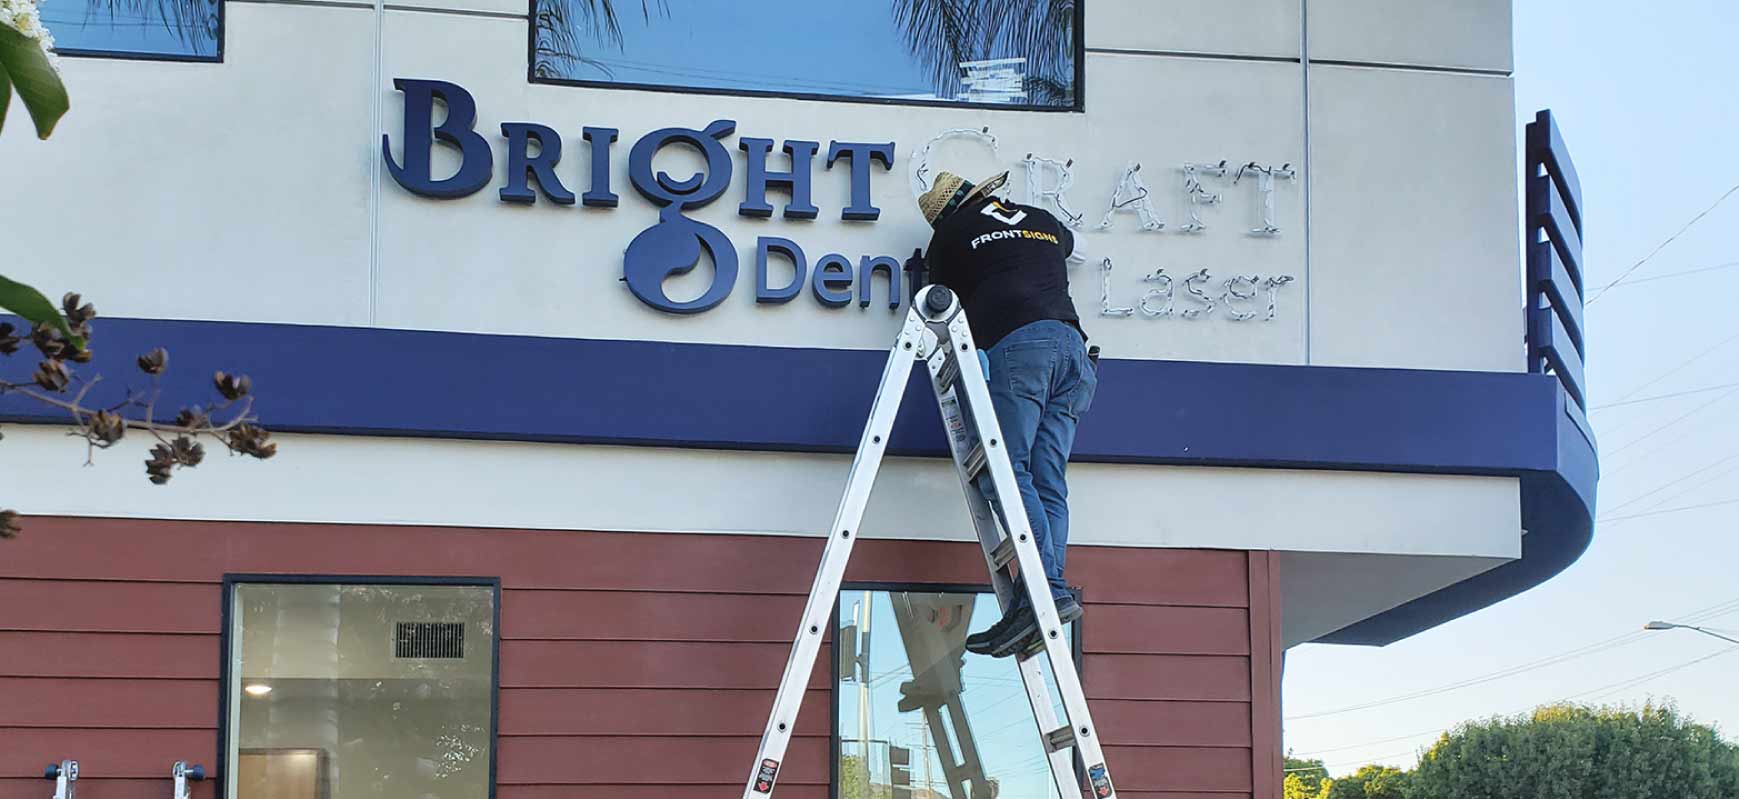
1059	739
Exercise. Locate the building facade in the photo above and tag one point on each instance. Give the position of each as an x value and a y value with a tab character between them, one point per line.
562	426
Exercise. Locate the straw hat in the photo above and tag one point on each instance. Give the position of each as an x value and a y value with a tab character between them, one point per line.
950	191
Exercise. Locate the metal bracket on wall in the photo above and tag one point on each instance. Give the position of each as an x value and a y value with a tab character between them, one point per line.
64	774
183	774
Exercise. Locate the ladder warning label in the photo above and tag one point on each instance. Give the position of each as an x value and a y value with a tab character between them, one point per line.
770	769
955	421
1101	780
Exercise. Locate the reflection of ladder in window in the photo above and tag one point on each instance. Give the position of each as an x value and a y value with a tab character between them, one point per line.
936	332
933	628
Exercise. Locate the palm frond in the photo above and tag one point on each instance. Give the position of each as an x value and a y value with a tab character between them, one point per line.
194	22
940	34
563	26
1042	31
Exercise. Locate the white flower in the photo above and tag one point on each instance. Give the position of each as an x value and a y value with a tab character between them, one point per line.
22	16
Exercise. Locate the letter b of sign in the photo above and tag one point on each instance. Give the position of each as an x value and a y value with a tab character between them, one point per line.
475	163
673	246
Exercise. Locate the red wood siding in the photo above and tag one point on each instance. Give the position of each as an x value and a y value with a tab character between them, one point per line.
633	666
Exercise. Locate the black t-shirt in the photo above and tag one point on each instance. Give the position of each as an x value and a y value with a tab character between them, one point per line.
1008	263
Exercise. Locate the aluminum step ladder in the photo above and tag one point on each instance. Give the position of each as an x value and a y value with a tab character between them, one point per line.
936	332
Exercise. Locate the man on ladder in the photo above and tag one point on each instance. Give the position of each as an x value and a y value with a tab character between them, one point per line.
1046	381
1007	264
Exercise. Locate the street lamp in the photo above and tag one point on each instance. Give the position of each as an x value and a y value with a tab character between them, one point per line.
1667	625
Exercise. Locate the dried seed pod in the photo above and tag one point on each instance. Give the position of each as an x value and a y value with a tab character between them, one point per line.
77	314
48	340
232	387
108	427
153	362
9	524
192	418
80	355
249	439
160	465
187	451
9	339
52	375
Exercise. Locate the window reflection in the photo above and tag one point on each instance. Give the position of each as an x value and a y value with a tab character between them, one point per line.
999	52
918	717
167	28
342	691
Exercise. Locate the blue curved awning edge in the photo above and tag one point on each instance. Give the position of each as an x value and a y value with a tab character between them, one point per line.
1558	522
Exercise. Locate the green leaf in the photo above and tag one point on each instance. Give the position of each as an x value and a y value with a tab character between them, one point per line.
39	86
5	96
30	304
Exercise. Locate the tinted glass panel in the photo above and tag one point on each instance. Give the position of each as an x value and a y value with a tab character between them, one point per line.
176	28
1002	52
360	691
910	700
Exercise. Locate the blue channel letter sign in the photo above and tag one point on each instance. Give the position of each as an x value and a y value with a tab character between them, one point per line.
673	245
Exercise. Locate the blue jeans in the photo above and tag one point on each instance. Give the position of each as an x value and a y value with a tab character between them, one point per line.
1041	384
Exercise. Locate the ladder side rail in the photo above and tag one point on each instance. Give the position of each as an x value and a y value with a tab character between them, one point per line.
958	344
950	404
818	611
1063	773
976	399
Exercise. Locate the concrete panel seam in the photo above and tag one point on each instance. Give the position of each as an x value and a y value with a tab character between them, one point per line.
459	12
1490	73
1274	59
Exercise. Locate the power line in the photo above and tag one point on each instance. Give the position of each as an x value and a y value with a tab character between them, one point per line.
1679	509
1712	611
1651	676
1676	369
1670	483
1686	415
1601	646
1612	688
1662	397
1670	275
1663	245
1692	487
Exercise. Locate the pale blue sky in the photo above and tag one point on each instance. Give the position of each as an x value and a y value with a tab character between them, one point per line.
1646	98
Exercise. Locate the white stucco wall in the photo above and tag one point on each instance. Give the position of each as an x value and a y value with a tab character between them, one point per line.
195	174
246	191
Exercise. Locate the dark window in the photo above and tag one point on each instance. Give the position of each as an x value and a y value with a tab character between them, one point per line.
378	689
167	29
911	704
1005	53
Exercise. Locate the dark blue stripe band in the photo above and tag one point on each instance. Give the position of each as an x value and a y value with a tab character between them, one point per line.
451	385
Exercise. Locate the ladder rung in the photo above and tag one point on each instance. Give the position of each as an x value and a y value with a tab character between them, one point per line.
1059	739
1003	553
975	461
